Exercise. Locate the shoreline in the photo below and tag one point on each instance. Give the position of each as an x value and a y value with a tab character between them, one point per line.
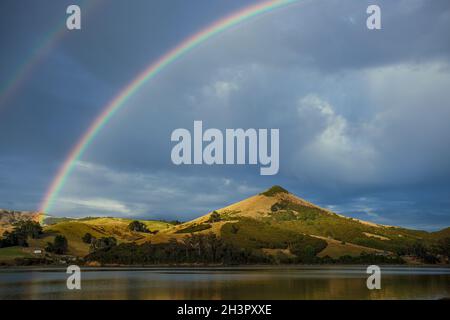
217	267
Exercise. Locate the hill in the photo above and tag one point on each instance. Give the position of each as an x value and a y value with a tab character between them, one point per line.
9	217
274	224
75	229
271	219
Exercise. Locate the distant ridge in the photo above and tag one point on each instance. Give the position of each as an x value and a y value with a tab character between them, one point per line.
10	217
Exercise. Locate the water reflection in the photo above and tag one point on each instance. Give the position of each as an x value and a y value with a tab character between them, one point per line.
227	283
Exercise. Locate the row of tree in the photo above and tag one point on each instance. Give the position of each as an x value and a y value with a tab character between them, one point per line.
20	234
428	254
194	248
210	249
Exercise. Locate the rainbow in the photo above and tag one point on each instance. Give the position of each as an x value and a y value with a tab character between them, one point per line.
41	217
149	73
25	70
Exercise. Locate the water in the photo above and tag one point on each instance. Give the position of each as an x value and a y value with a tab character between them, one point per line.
336	282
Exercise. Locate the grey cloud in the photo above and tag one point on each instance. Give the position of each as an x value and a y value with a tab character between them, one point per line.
362	115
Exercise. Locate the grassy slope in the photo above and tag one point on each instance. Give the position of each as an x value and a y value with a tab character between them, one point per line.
259	222
267	221
11	253
74	230
319	223
444	233
336	249
299	216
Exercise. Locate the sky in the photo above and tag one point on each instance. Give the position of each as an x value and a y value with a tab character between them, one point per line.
363	114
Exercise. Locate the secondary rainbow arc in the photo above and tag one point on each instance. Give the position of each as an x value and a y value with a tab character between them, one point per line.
150	72
26	69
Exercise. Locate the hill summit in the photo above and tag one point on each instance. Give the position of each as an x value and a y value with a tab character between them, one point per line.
274	219
274	223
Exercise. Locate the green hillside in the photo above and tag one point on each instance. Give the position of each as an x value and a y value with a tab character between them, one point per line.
11	253
276	222
274	226
75	229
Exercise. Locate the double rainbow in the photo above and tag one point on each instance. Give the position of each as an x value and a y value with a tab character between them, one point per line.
149	73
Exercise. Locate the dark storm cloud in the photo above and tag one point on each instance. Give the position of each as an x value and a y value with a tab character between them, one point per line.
361	113
332	35
157	194
68	86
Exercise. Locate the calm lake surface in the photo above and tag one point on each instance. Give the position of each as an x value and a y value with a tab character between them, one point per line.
334	282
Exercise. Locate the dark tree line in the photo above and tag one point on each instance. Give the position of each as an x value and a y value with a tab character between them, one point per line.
428	254
195	248
443	248
19	236
210	249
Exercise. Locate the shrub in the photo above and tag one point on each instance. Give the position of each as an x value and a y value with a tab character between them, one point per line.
138	226
214	217
59	245
273	191
88	238
104	243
